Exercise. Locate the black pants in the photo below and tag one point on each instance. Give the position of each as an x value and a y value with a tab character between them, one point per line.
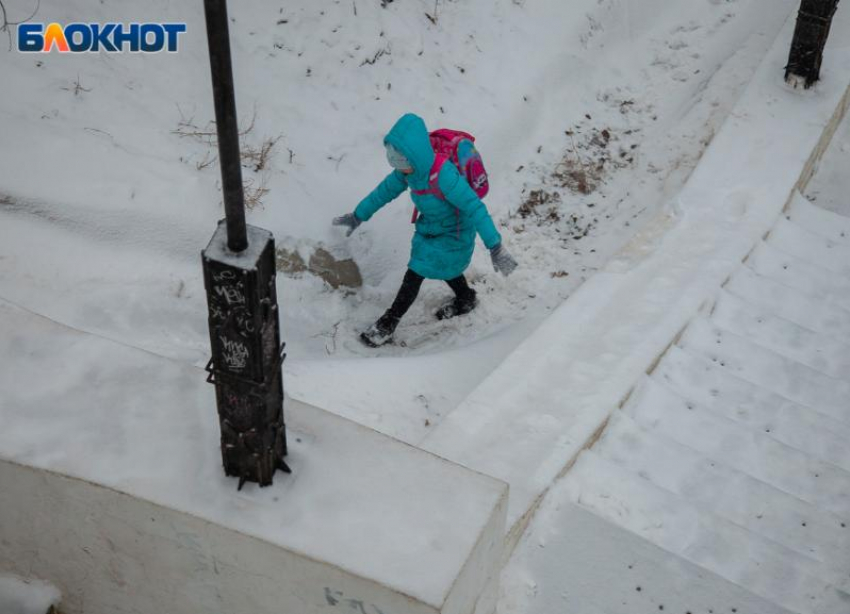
410	290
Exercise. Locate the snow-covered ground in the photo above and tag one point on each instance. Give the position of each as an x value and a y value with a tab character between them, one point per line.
18	596
591	115
830	187
722	483
110	189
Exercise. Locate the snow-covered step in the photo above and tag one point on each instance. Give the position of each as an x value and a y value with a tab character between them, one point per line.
789	303
819	351
822	484
699	380
572	561
815	219
768	369
819	283
811	247
766	568
729	493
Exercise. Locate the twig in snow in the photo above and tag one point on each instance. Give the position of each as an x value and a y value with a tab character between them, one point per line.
98	131
435	16
208	160
331	334
208	134
255	192
259	156
380	53
337	160
77	87
583	183
333	338
5	23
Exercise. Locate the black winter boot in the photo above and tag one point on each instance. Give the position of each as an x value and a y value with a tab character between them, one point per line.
381	332
458	306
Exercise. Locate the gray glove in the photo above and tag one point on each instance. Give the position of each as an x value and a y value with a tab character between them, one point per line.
503	262
349	220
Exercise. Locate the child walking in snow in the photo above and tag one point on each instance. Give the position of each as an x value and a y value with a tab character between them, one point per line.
448	221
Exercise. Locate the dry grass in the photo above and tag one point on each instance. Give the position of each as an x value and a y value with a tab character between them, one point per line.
256	158
259	157
538	200
255	191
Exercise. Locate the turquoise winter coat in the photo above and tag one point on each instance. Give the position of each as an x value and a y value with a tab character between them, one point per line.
445	231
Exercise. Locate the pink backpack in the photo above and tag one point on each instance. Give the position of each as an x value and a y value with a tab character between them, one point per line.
445	143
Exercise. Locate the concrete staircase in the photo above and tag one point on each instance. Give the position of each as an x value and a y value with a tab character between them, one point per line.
582	563
734	452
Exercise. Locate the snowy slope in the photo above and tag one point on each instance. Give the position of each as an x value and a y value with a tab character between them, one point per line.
26	597
106	201
105	206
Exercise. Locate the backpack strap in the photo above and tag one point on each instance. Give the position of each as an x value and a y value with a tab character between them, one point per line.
433	183
434	178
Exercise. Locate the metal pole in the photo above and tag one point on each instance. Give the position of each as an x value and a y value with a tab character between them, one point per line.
218	36
810	35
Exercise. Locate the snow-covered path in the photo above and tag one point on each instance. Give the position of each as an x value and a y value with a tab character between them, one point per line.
108	248
113	216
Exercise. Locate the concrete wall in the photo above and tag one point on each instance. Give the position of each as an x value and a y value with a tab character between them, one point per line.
112	489
111	553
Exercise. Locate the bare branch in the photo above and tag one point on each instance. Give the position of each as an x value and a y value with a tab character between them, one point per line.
255	192
77	87
5	23
208	160
259	156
